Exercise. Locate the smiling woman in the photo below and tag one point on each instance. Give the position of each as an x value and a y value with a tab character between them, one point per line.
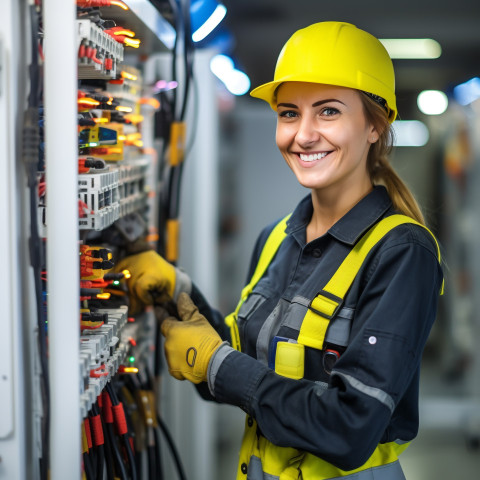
323	350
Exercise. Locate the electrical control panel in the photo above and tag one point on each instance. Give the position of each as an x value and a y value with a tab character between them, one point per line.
117	116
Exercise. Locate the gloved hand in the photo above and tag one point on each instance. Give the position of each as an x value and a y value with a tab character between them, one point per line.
190	344
152	279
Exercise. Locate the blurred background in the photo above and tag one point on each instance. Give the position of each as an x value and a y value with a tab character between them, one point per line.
437	153
233	183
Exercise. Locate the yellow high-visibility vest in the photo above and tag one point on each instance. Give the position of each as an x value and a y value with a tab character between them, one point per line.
258	456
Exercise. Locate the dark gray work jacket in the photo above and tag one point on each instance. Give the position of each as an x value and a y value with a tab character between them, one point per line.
371	396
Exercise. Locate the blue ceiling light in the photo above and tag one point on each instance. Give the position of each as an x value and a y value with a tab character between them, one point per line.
205	16
236	81
410	133
467	92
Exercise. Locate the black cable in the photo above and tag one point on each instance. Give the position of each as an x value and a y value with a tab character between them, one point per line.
152	468
108	454
148	383
99	449
158	453
172	448
138	463
92	456
174	184
87	467
131	458
111	393
33	98
100	462
187	55
128	448
119	465
175	13
117	456
135	456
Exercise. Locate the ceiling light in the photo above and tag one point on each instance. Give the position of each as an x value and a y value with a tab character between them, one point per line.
432	102
467	92
236	81
205	16
417	48
410	133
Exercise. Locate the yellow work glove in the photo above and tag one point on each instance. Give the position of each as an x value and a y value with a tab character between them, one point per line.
190	344
152	279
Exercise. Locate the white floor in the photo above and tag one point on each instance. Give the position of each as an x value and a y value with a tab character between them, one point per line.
441	455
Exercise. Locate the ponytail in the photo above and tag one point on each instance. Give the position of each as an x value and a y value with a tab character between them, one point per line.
378	165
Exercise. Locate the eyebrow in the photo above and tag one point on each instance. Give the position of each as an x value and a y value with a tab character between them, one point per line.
316	104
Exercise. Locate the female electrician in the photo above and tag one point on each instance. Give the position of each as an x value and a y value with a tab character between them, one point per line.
325	346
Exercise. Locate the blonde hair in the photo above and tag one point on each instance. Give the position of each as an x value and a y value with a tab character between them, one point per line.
378	166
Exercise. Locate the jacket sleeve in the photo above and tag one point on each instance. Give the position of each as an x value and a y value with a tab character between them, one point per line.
344	423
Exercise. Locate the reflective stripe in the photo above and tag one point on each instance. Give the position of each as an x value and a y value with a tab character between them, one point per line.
382	460
391	471
217	358
269	328
255	470
297	311
388	471
338	332
376	393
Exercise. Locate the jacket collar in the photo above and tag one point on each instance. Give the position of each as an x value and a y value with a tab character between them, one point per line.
353	224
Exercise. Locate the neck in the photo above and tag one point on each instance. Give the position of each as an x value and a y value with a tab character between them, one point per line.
330	206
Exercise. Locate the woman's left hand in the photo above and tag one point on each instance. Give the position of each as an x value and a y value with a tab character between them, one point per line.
189	344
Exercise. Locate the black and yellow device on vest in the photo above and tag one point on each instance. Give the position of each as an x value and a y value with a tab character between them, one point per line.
287	357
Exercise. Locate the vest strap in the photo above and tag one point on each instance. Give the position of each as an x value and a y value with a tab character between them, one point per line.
274	240
330	299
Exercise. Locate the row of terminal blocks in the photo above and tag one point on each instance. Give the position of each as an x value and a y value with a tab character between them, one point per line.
109	195
112	194
129	90
105	217
90	36
102	351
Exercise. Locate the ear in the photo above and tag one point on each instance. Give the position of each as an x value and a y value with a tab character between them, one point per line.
373	134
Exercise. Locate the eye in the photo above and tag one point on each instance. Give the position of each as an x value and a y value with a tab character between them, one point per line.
330	111
287	114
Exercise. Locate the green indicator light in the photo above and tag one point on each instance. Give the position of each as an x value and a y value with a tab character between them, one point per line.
131	359
116	282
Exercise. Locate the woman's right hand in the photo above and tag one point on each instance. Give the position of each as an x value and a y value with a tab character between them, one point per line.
150	279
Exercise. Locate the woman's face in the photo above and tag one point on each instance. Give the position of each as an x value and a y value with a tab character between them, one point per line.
323	135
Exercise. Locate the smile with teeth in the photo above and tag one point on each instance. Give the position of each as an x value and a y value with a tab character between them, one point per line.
312	157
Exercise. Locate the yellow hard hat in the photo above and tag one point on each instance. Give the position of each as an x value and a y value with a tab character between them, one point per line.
335	53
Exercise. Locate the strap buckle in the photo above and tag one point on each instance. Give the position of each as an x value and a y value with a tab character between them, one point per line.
326	304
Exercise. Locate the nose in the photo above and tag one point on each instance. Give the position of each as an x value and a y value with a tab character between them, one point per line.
307	134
